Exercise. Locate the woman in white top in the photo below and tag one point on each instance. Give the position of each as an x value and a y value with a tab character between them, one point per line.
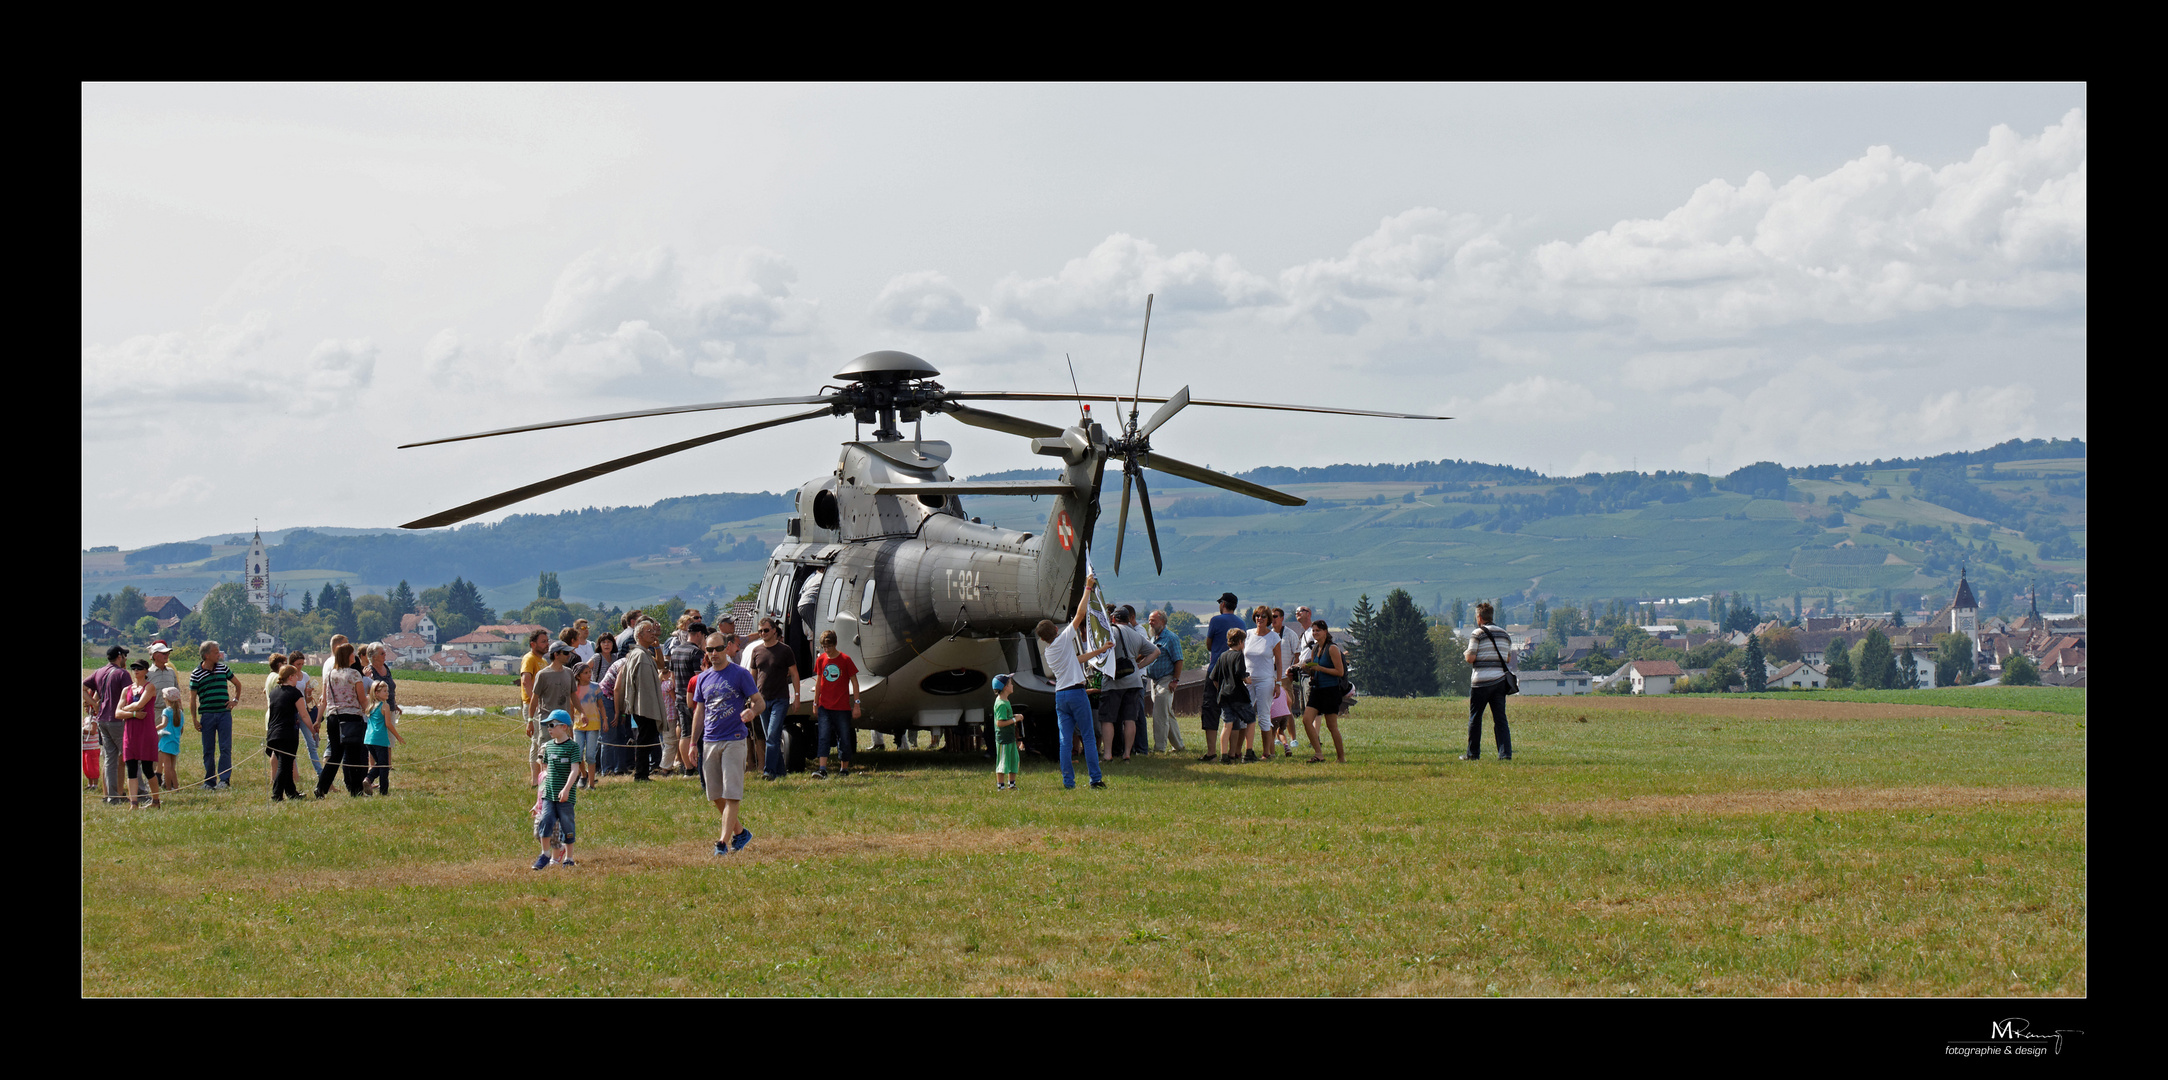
1261	652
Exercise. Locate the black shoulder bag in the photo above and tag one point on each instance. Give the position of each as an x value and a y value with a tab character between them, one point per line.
1124	667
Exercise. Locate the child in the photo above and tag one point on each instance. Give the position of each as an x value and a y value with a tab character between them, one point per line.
587	724
1006	751
90	753
1282	720
557	789
383	728
169	738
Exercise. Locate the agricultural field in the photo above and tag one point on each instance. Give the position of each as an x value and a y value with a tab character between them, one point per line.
1683	846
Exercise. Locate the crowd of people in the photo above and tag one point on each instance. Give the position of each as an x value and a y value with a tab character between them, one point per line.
702	703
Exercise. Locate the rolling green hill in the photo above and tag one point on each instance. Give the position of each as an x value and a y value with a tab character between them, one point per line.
2012	515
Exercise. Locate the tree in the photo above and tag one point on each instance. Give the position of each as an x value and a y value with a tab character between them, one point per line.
1460	611
546	587
1756	669
127	607
402	600
1564	623
1362	625
2019	671
308	602
329	598
374	618
1874	666
1953	659
1540	615
1839	656
1724	672
1452	660
1400	659
1782	644
226	615
1908	670
146	628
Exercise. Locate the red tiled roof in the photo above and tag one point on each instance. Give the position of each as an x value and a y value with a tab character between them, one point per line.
1649	668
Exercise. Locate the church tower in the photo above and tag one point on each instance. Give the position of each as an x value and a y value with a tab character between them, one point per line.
1965	612
258	574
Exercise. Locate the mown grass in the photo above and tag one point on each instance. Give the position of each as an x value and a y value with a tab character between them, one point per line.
1629	851
2054	699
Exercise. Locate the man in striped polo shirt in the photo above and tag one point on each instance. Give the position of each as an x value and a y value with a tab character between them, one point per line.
213	691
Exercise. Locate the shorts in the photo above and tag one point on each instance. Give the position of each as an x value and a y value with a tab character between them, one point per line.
722	769
1008	758
558	814
1238	713
1326	699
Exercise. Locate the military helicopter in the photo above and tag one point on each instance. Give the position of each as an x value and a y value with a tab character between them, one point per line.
929	603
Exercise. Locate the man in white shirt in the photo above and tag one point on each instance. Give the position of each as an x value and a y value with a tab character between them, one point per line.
1067	662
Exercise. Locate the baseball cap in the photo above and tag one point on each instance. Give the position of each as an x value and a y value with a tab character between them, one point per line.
159	647
1001	682
559	716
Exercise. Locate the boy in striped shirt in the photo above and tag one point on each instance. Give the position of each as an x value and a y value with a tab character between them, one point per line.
555	793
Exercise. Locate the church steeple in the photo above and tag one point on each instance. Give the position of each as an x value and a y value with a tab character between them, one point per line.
257	575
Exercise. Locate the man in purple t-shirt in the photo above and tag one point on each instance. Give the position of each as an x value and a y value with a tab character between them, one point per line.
725	698
101	695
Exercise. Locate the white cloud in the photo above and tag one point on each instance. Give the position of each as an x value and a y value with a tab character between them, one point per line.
1674	370
152	375
1105	289
612	317
924	300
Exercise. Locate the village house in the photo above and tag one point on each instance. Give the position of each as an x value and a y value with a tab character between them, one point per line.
1550	683
1800	675
409	648
456	660
419	623
1651	676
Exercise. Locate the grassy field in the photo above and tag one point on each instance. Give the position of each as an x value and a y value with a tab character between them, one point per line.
1673	846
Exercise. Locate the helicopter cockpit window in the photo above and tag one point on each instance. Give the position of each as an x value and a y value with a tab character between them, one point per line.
865	607
825	514
934	501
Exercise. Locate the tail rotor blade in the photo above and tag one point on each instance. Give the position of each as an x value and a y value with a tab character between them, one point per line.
1166	412
1121	527
1144	503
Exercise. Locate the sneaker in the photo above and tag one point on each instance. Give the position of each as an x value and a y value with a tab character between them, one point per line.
820	774
568	862
1471	757
1249	756
722	848
843	774
1227	759
1209	757
541	862
1505	757
223	785
1099	783
738	842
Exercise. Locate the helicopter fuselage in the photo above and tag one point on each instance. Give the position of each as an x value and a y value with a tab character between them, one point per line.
928	603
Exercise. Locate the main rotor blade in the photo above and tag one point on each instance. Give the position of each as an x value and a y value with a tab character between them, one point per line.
483	506
1141	343
1033	395
1203	475
1121	528
1014	425
1166	412
633	415
1144	502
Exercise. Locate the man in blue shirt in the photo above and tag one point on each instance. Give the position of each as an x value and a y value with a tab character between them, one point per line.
1215	639
726	697
1160	680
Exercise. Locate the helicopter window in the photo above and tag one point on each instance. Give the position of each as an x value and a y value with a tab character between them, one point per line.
865	606
935	501
836	589
824	510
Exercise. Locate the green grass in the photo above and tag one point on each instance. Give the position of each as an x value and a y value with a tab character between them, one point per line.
2053	699
403	675
1635	848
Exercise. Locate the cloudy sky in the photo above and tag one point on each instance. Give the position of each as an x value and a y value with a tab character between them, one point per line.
282	284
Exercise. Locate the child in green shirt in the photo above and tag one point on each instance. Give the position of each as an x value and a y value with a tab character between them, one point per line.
1008	754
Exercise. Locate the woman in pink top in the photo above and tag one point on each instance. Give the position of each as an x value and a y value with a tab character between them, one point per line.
139	734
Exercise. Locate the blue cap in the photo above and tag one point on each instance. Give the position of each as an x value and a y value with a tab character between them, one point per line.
1001	682
560	716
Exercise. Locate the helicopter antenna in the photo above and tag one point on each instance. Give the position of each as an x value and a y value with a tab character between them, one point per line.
1139	388
1081	414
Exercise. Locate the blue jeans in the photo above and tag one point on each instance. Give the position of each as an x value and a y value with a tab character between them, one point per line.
218	745
834	730
773	766
308	735
559	815
1074	709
